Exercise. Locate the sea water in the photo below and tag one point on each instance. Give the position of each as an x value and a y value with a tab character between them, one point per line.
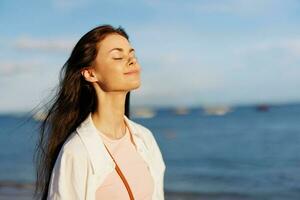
244	153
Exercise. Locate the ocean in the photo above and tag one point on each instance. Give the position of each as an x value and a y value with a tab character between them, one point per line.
243	153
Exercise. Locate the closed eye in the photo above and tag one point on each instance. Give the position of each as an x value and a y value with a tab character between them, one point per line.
122	58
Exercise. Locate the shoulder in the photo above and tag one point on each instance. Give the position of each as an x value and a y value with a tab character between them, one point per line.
141	127
153	144
71	171
143	131
73	151
74	145
147	136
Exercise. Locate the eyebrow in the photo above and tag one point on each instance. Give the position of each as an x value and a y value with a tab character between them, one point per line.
120	49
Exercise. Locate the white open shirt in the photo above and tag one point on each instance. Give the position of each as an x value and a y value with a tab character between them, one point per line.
83	162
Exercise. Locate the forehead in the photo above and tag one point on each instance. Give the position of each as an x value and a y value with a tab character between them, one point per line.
112	41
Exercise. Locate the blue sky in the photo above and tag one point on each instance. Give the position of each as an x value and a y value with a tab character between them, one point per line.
192	53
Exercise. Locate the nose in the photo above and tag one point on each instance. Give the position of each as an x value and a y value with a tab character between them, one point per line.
132	61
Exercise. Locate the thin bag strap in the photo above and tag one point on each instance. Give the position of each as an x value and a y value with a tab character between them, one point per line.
120	172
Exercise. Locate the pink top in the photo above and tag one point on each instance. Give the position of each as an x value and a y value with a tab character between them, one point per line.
133	167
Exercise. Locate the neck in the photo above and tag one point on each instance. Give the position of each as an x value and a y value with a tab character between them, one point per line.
109	115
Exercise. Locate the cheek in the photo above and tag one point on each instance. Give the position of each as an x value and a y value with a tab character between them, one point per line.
111	74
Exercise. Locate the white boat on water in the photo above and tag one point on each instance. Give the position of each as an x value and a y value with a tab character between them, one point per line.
217	110
181	111
143	113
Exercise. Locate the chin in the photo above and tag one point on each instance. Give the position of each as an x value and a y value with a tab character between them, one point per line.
135	86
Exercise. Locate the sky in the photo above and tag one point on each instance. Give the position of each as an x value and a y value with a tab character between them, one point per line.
192	53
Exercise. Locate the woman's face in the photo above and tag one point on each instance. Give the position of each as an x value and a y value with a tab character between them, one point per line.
116	66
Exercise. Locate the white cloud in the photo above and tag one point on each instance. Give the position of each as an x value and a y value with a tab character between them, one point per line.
12	68
291	45
282	52
52	45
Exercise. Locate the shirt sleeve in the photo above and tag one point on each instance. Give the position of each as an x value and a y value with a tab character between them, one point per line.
157	153
69	177
159	163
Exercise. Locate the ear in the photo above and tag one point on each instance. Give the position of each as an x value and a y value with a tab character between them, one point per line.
88	74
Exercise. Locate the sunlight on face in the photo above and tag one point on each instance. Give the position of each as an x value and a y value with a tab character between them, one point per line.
116	65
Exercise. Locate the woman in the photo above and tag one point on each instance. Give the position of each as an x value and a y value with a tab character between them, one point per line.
88	147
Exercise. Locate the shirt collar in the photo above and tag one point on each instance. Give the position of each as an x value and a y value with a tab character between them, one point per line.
94	143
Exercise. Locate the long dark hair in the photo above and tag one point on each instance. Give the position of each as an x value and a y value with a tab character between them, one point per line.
74	99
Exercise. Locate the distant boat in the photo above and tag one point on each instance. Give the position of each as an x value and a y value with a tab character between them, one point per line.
217	110
262	107
143	113
181	111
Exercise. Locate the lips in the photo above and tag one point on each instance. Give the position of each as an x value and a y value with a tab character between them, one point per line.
132	72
